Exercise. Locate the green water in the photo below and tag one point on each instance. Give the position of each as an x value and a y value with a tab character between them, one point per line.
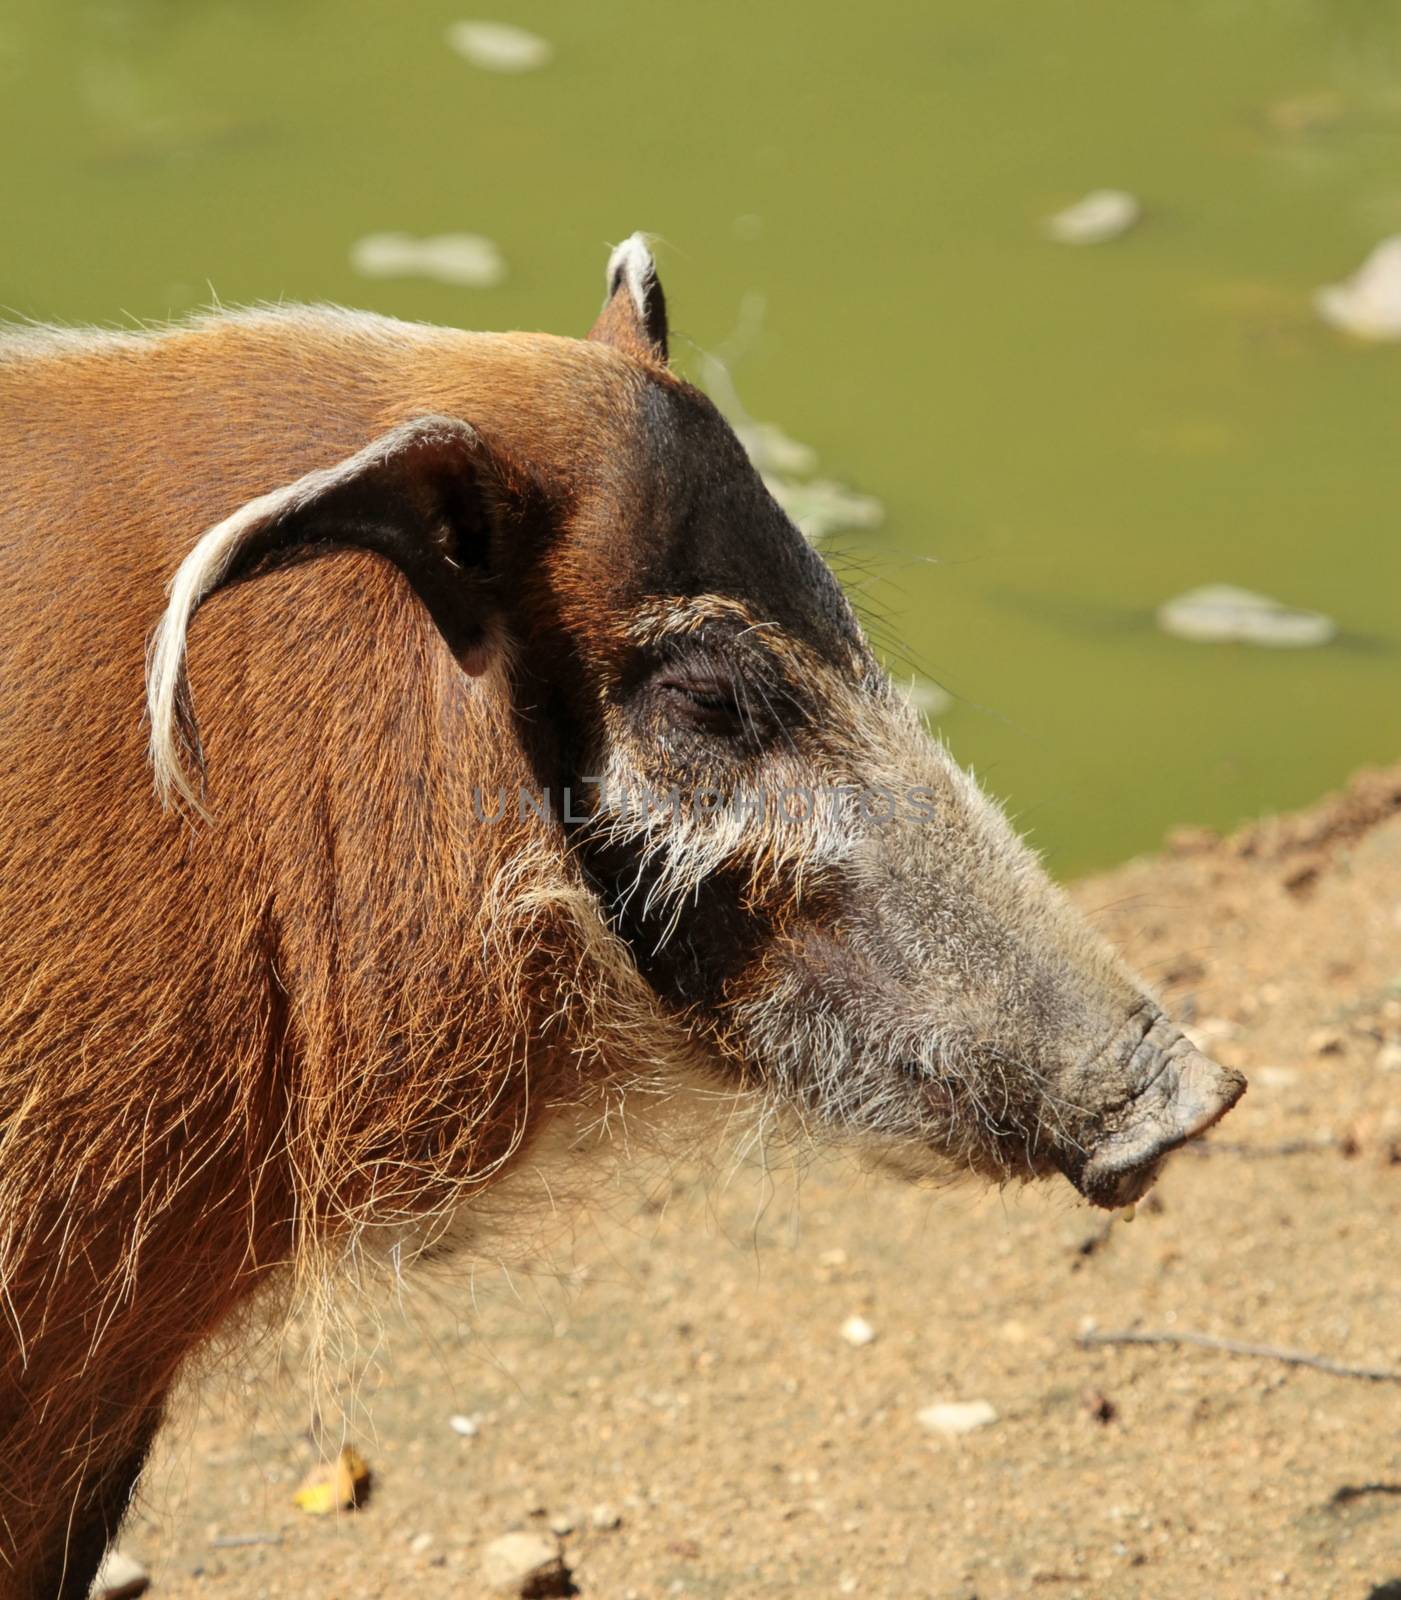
1062	437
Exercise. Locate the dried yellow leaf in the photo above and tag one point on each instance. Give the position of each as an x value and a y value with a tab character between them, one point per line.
337	1485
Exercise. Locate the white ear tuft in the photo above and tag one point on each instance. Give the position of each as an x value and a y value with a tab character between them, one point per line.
416	451
197	576
632	264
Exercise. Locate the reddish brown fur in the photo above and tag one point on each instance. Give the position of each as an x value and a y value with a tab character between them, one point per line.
225	1049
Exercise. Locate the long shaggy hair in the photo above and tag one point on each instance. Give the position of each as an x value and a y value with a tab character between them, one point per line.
235	1051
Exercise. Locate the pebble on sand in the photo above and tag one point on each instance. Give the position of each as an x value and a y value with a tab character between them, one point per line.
857	1332
499	46
1274	1077
953	1417
1211	1031
1220	613
1368	304
119	1577
525	1564
464	1427
466	260
1101	215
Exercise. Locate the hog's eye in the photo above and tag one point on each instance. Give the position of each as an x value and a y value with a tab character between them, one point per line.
702	701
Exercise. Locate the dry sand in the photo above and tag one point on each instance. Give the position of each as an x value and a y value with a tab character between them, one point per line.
681	1367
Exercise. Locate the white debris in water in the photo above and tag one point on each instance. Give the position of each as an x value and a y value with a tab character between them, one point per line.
465	259
1101	215
766	444
857	1332
956	1416
772	450
821	506
499	46
1219	613
927	698
1369	303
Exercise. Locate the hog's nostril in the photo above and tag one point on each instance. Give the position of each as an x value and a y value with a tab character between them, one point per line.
1182	1100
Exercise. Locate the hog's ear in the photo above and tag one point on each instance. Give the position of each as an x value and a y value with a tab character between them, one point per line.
633	318
427	496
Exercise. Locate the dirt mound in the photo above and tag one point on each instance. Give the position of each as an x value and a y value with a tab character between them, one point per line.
1371	798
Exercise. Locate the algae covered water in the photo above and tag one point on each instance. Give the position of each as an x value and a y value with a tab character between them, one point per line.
1016	445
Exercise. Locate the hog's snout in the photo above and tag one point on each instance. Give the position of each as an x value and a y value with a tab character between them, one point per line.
1185	1093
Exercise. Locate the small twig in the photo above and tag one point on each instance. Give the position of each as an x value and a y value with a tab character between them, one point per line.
1240	1347
1292	1147
236	1541
1349	1492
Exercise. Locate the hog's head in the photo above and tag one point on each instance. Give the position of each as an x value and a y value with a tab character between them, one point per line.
807	880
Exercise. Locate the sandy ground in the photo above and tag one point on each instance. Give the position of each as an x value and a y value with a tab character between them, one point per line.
673	1388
